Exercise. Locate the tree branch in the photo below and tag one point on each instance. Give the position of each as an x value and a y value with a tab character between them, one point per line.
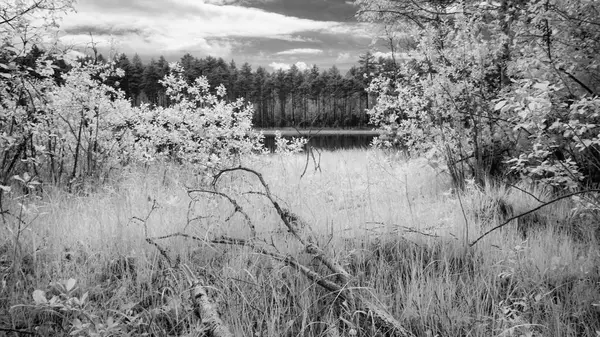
531	211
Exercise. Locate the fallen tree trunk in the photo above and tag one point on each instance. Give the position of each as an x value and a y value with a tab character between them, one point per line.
371	317
371	313
204	308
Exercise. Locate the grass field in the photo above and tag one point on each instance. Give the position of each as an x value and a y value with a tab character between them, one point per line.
395	224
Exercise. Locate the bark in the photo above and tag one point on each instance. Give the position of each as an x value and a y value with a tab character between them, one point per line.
369	313
205	309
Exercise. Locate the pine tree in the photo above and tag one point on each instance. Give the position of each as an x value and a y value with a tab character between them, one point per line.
136	78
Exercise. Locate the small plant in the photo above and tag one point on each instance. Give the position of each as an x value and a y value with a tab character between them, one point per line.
71	312
289	146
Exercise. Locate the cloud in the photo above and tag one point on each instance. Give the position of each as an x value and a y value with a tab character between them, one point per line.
180	24
220	2
388	55
302	66
300	51
72	55
360	30
286	66
278	65
343	57
294	38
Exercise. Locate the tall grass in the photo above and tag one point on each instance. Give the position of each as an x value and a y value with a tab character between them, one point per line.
395	224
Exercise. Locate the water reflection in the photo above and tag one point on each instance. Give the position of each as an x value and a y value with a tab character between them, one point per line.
327	140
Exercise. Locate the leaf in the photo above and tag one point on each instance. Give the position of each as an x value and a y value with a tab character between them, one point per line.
39	296
499	105
4	188
542	85
70	284
587	142
83	298
77	323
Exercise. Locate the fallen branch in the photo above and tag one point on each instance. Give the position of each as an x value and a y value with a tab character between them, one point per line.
236	207
18	332
295	225
368	313
531	211
204	308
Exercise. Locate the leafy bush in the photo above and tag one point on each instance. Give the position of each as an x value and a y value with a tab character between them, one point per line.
199	128
495	88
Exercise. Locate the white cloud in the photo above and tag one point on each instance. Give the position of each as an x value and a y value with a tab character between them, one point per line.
343	57
286	66
278	65
180	24
300	51
294	38
361	29
388	55
302	66
72	55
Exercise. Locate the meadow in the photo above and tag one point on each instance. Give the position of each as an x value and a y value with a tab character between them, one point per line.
395	224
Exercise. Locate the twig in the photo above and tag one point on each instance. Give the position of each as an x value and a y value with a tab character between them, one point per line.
531	211
25	332
236	207
161	250
294	226
526	192
150	240
412	230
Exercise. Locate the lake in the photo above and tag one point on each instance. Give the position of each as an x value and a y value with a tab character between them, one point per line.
326	139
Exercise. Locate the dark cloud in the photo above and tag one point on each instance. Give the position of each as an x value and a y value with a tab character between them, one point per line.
263	51
147	28
103	30
143	7
322	10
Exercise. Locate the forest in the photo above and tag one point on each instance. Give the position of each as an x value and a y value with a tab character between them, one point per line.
292	98
281	98
140	200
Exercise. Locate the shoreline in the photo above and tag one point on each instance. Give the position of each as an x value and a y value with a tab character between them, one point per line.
319	132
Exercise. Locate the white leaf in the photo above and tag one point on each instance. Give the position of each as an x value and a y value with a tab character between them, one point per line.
39	297
70	284
499	105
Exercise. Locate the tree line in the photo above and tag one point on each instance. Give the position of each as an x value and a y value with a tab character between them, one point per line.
282	98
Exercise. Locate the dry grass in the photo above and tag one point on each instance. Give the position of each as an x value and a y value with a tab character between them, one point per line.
395	224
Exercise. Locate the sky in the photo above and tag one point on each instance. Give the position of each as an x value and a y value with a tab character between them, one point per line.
270	33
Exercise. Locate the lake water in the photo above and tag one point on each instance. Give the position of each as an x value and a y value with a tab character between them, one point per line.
326	139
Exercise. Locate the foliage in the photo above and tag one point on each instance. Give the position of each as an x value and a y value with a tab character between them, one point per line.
489	82
199	128
70	311
390	224
292	97
87	121
289	146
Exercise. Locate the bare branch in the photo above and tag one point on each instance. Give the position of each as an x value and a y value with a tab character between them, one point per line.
236	207
531	211
35	5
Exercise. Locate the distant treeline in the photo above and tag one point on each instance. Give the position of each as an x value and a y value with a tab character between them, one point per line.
283	98
321	98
